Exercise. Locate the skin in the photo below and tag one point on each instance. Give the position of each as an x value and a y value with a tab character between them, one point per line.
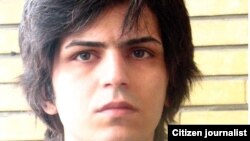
98	66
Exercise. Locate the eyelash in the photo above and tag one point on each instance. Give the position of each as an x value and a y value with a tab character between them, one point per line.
148	52
93	55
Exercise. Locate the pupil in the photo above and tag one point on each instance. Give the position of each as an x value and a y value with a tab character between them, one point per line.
139	53
85	56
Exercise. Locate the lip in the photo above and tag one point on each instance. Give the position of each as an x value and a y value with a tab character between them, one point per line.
117	109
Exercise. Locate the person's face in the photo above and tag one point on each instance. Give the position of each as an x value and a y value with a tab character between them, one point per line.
110	87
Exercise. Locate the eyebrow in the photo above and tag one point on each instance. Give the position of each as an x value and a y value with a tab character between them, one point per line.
85	43
141	40
129	42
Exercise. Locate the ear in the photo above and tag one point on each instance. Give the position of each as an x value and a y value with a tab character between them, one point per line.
49	108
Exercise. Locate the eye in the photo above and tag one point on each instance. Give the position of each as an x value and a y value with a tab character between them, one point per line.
85	56
141	53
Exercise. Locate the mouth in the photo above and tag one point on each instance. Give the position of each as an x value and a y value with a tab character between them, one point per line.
117	109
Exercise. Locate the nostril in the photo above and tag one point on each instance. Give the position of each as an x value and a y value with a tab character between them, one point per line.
115	84
107	85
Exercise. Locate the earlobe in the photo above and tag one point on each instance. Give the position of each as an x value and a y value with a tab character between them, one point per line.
49	108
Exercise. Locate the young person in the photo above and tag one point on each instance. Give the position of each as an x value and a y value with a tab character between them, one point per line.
106	70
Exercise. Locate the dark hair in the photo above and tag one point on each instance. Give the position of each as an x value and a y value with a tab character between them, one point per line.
45	22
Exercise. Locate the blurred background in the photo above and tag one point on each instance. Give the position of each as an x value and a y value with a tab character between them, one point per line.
220	36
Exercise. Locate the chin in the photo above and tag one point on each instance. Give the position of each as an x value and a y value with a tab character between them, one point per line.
118	135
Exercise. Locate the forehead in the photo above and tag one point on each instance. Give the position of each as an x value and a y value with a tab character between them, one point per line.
111	23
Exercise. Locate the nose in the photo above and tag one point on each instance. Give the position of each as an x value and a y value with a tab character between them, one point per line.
114	70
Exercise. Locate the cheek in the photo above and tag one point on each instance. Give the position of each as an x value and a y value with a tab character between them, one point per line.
152	98
73	94
153	88
70	82
157	94
154	82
